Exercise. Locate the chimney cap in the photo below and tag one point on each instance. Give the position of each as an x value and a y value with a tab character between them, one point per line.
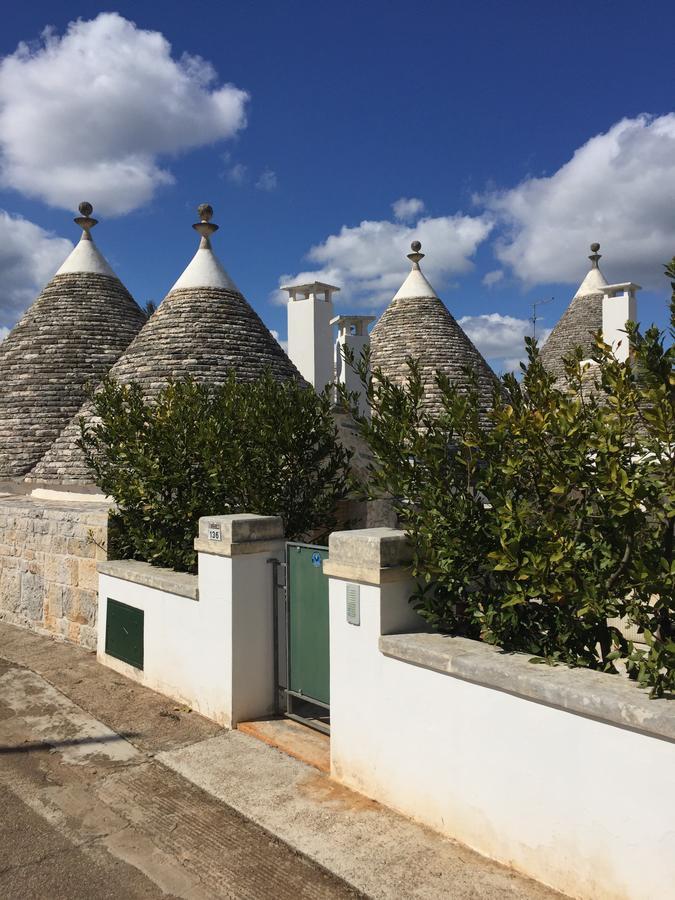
349	320
621	287
311	287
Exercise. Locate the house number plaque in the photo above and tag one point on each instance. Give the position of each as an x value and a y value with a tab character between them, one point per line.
353	604
215	534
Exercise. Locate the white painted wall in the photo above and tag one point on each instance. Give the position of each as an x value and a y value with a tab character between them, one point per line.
183	645
353	343
310	337
619	305
586	807
214	654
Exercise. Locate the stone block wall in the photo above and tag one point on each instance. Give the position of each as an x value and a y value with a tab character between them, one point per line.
48	556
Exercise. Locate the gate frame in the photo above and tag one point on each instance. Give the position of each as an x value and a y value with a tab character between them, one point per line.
289	695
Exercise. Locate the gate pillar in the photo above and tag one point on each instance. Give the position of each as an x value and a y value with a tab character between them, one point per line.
370	584
234	573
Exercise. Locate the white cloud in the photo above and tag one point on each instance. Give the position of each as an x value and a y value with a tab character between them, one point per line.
267	180
275	335
501	339
618	189
29	256
238	174
368	261
408	209
87	114
4	331
492	278
511	364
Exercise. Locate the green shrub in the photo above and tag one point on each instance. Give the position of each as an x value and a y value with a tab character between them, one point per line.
533	527
265	447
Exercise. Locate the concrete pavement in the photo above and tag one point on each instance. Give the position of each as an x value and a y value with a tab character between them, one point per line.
111	790
90	815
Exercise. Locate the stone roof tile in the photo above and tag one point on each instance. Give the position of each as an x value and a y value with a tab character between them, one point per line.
71	335
204	331
580	321
417	324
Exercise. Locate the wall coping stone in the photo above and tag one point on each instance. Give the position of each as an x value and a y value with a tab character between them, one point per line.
53	508
241	533
370	555
365	574
609	698
181	583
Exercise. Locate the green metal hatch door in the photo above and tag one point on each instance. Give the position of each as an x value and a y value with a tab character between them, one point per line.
308	647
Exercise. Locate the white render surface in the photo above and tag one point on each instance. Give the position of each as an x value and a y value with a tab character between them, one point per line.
613	700
205	270
310	332
86	257
619	305
214	653
181	584
541	789
353	337
415	286
593	283
67	496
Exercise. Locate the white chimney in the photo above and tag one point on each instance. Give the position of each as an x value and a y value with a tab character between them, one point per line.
353	335
310	333
619	305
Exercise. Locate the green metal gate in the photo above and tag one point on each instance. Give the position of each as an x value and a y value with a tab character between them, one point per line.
307	648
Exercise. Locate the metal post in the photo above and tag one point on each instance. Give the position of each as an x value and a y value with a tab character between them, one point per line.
275	629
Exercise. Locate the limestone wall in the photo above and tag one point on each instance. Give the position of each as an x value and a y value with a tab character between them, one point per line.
48	556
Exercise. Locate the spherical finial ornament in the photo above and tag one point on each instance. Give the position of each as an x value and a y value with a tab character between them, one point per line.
205	227
84	220
416	254
205	212
595	257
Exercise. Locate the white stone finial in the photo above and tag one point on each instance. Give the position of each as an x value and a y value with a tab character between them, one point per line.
86	257
205	227
205	269
416	255
594	281
84	220
595	256
416	285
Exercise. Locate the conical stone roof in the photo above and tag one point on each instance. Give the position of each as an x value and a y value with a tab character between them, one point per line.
417	324
580	321
71	335
204	328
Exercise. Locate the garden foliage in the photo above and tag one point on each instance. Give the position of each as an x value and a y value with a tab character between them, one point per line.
265	447
536	526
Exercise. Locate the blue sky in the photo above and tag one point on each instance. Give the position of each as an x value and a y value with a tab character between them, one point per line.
519	132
